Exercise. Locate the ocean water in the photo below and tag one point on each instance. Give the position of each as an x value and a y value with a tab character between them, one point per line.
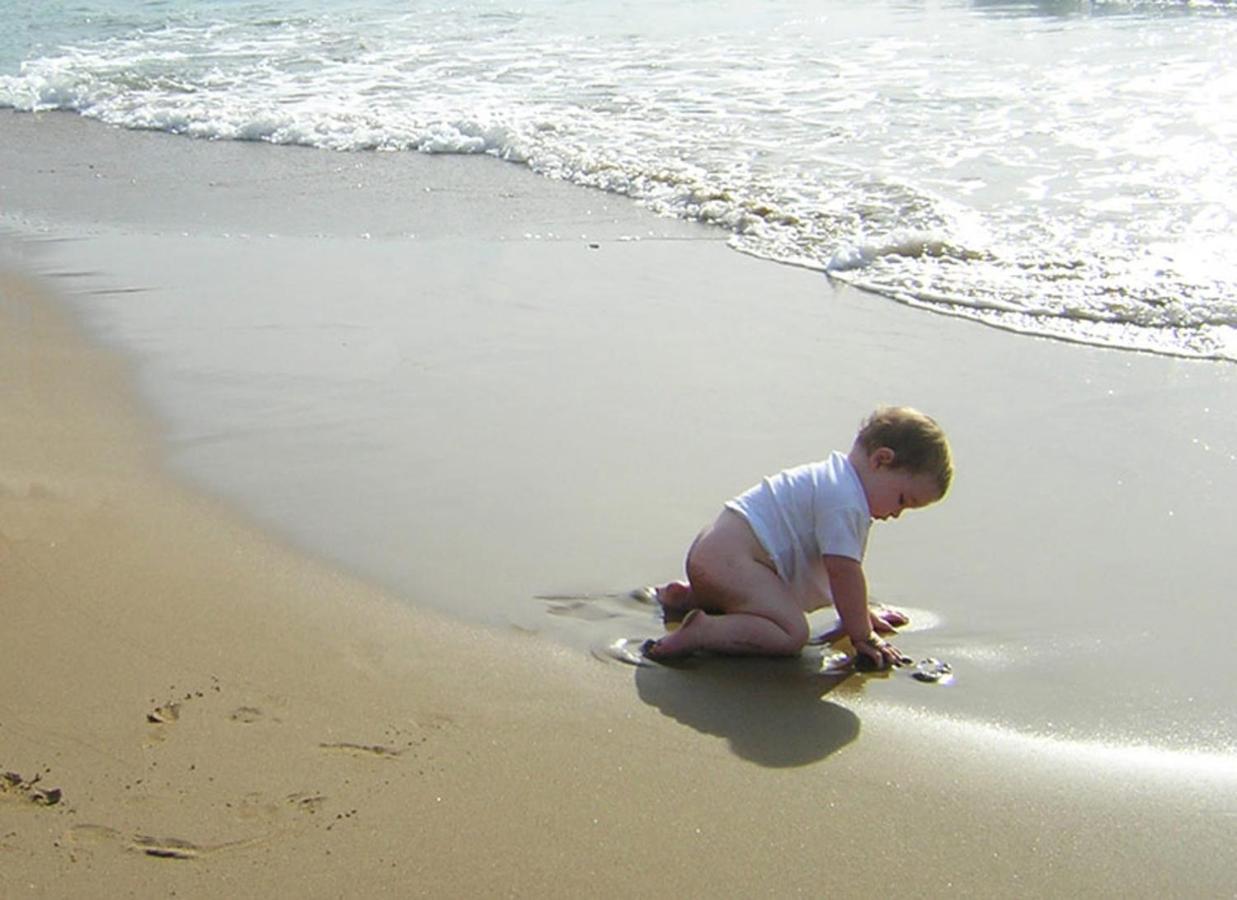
1061	167
1055	168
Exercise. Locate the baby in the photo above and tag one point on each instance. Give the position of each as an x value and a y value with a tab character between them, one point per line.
795	542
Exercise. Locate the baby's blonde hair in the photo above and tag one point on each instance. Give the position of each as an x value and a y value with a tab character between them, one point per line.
918	443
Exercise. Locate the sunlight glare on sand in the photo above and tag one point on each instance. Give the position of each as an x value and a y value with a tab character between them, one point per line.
1075	756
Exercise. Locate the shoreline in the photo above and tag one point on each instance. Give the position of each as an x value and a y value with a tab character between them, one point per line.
437	416
394	405
330	738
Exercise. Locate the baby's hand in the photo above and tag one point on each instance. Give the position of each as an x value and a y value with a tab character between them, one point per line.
884	619
874	654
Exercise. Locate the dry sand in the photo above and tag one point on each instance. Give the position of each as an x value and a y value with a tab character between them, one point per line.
192	707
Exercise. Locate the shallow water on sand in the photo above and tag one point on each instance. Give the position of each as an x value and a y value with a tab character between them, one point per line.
481	419
459	470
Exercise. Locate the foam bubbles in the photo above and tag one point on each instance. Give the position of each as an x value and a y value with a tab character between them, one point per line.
1025	171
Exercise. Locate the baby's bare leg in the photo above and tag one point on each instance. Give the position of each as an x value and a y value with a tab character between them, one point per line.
734	634
751	611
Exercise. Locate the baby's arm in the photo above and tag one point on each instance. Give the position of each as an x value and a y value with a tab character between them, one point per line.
850	599
850	596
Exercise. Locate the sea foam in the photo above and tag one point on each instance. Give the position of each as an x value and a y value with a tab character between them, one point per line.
1012	165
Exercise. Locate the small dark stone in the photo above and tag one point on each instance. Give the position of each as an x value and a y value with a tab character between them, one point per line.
865	663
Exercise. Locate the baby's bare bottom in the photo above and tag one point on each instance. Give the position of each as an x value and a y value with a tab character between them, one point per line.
734	602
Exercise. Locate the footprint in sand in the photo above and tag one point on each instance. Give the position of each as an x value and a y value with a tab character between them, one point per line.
160	716
86	835
14	785
164	715
377	750
305	802
92	835
246	714
600	606
166	848
587	610
170	712
398	739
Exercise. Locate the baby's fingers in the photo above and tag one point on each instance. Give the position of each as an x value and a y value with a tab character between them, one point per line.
894	656
886	620
877	653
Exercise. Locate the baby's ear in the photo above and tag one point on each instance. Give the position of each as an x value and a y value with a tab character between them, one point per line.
883	458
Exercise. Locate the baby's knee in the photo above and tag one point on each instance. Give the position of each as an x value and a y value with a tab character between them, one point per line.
797	634
790	636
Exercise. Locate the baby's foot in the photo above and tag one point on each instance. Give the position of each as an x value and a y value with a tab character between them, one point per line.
677	644
675	599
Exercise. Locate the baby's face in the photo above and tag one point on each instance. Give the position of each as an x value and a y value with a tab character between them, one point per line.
892	490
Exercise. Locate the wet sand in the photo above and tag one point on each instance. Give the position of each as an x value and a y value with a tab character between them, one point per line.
224	703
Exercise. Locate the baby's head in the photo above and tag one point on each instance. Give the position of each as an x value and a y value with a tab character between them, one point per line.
918	445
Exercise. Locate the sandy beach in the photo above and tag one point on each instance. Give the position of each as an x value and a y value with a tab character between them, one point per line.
297	444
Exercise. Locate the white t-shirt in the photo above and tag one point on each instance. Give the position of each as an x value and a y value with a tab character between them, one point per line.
800	515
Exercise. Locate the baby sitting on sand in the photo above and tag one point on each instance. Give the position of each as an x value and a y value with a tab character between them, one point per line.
795	542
